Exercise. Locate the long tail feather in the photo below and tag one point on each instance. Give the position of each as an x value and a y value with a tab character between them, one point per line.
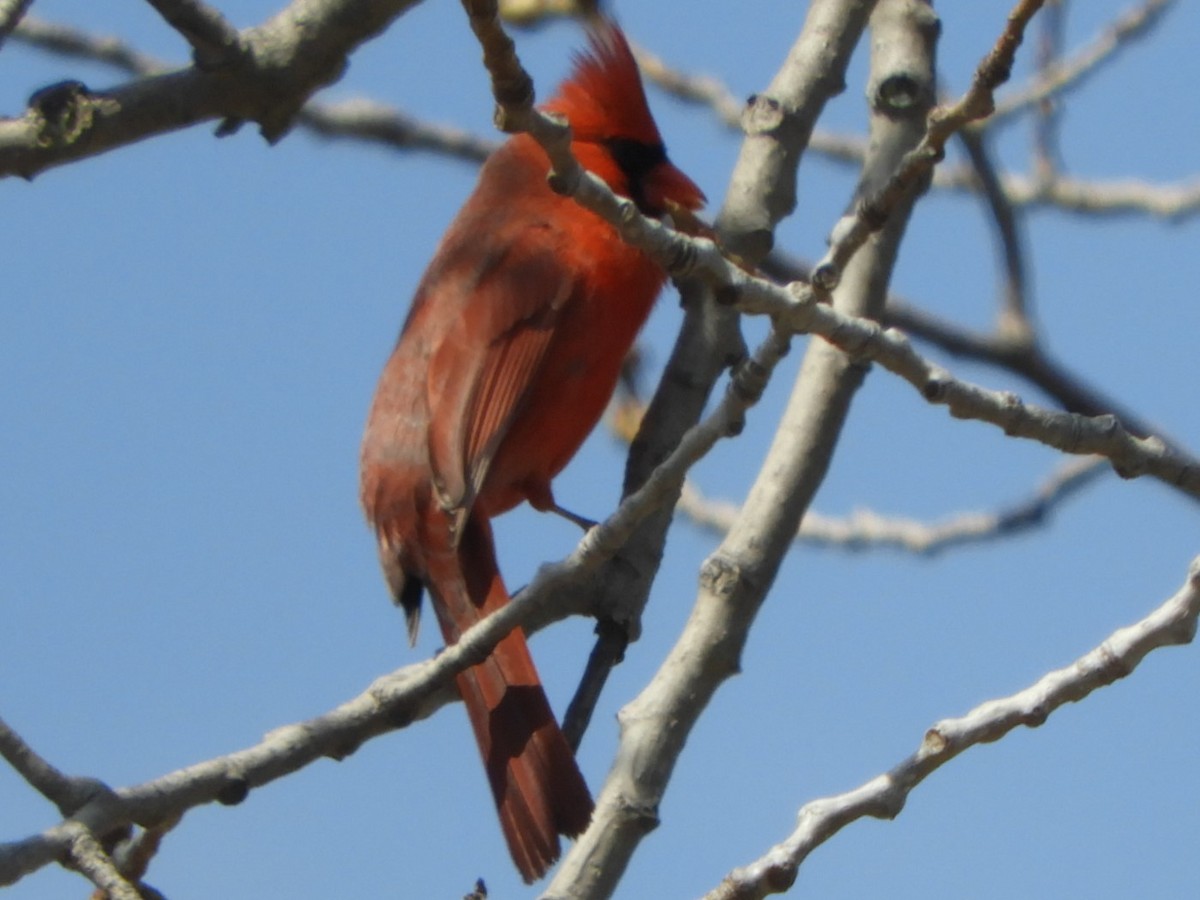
538	788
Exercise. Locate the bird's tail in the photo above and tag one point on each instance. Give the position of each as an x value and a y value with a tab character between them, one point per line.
538	788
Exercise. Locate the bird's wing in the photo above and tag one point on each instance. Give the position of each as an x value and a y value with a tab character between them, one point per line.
481	370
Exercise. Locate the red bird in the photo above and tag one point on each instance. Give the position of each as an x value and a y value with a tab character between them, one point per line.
510	353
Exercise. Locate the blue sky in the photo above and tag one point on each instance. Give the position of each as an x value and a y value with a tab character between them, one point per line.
190	338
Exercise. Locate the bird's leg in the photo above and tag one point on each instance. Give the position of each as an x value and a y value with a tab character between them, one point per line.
585	524
541	498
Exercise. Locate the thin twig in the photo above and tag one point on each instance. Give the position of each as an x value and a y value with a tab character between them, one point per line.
1104	435
66	40
608	652
11	13
85	854
865	530
1109	197
883	797
1013	322
68	794
977	103
1047	58
134	855
213	39
703	90
1028	360
382	124
1135	23
1021	357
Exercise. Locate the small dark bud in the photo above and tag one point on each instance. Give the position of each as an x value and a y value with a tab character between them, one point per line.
402	717
781	878
897	93
340	751
558	184
1036	716
762	115
934	389
234	791
229	126
726	295
874	214
54	99
826	276
995	73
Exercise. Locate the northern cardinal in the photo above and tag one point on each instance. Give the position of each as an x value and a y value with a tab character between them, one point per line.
510	352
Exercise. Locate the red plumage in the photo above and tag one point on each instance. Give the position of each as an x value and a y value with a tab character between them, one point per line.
510	352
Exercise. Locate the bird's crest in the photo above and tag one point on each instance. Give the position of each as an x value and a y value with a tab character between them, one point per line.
604	98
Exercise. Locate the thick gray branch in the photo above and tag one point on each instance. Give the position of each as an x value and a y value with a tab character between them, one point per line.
279	64
761	192
735	580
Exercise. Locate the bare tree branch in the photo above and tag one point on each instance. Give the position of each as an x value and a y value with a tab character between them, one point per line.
369	120
1104	435
1013	322
362	119
734	582
396	700
267	72
1174	202
535	12
286	59
214	41
761	192
11	12
867	530
381	124
799	308
883	797
1014	353
65	792
977	103
64	40
85	854
1046	112
1135	23
1029	360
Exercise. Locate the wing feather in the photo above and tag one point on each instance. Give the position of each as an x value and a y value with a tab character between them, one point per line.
481	371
